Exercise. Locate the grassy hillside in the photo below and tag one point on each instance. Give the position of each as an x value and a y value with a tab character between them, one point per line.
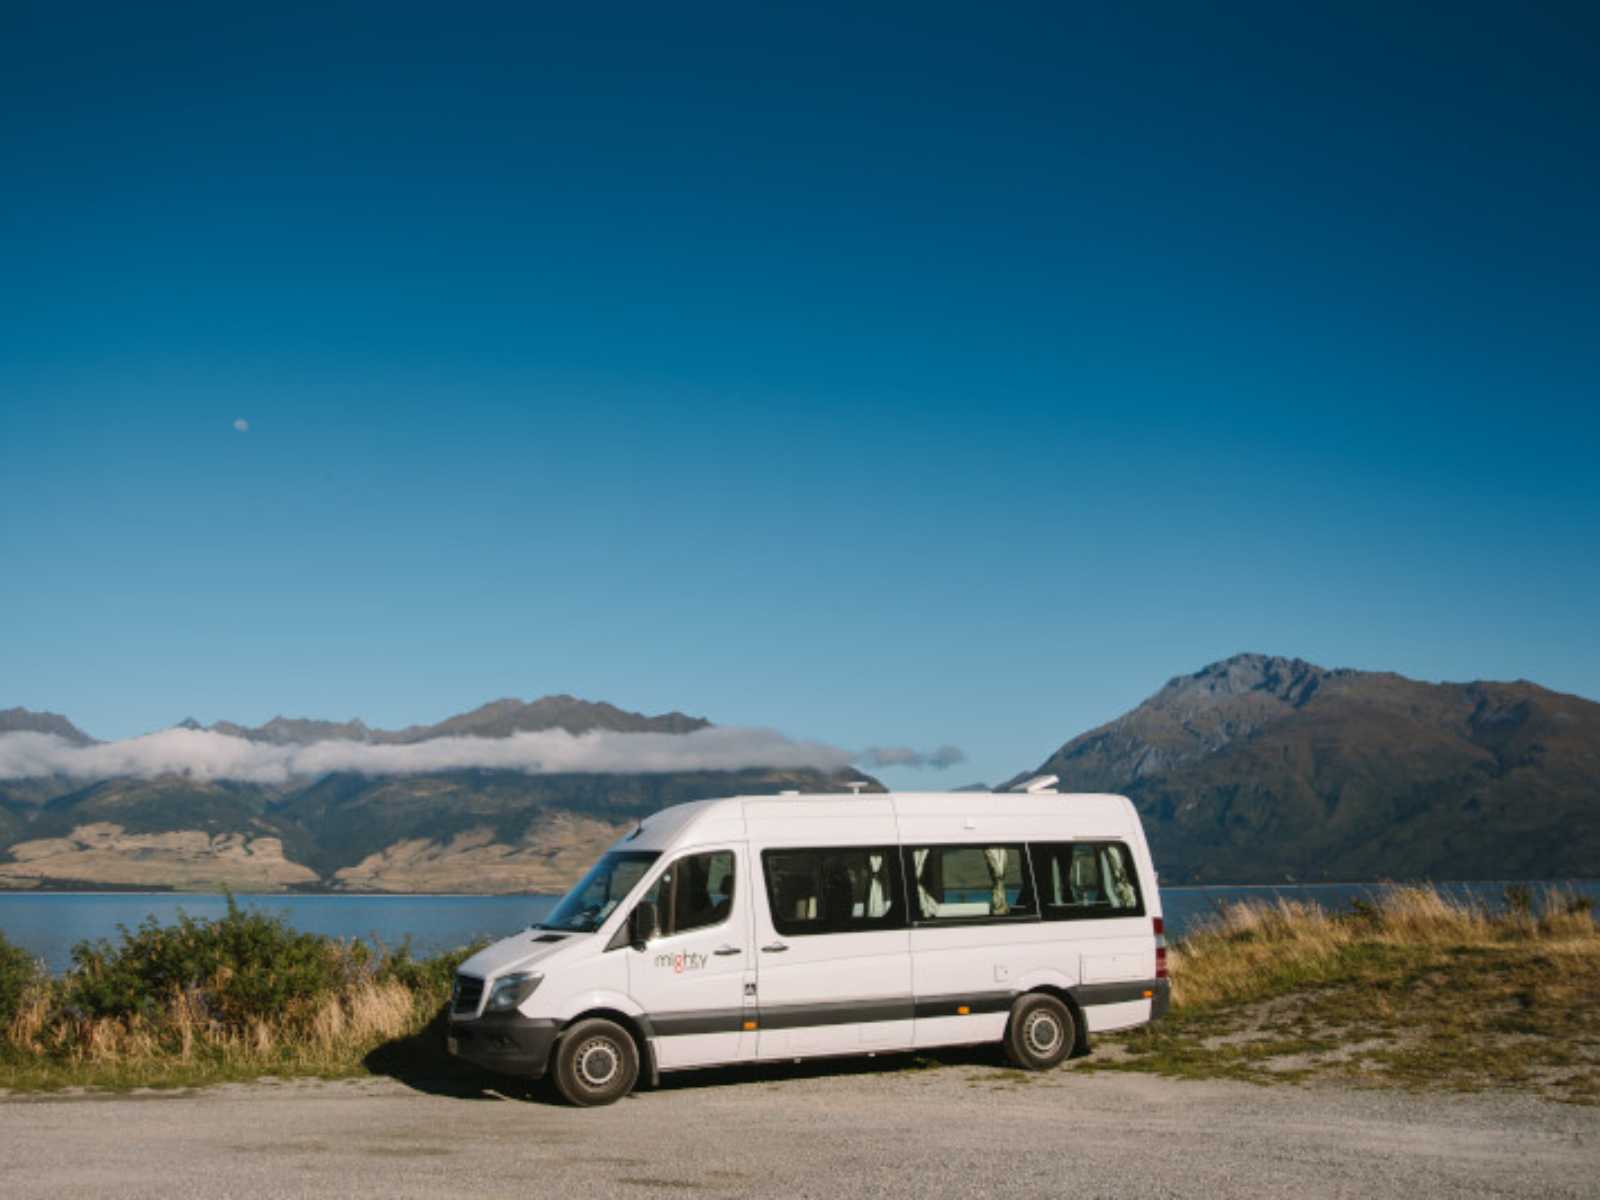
11	824
1415	990
454	830
354	816
474	830
158	806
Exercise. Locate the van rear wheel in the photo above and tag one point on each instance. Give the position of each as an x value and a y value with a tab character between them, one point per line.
596	1063
1041	1032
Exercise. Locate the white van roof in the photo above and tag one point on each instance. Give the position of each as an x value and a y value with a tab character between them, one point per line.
887	817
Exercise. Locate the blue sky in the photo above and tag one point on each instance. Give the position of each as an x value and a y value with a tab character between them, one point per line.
909	377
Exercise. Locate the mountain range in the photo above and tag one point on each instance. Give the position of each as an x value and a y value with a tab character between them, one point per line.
1261	770
475	830
499	718
1256	769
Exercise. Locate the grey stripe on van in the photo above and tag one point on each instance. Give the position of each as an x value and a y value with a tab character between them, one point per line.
951	1006
840	1012
861	1012
1088	994
832	1012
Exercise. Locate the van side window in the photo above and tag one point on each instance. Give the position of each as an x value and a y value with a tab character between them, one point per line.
1080	880
833	890
955	883
695	892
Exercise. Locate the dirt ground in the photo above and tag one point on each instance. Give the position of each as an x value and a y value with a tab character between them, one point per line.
883	1127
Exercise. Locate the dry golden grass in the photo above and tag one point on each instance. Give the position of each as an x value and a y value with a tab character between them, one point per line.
28	1025
232	997
1416	988
46	1047
1227	957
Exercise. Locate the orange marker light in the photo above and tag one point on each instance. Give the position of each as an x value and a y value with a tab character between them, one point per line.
1148	993
962	1010
749	1024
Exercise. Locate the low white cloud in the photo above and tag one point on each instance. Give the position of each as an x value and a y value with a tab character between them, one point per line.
904	756
241	425
204	755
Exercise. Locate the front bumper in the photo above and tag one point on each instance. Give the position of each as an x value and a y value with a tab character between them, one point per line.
508	1043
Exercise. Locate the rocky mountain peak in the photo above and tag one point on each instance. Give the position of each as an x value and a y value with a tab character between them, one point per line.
24	720
1261	767
297	731
502	718
1292	680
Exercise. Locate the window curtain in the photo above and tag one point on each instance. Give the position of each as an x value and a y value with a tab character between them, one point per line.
1115	872
877	894
996	858
1085	876
925	899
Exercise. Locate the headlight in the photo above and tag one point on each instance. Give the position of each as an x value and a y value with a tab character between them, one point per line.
511	990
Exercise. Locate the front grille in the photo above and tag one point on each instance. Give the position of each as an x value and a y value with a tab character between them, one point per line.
468	991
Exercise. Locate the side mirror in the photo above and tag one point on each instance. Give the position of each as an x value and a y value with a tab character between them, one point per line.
643	924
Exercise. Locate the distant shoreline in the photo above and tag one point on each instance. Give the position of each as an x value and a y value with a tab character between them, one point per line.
112	890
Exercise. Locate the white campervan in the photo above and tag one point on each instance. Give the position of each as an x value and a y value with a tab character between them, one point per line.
781	927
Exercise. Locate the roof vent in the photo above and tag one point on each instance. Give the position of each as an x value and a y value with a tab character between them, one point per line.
1039	785
790	792
855	786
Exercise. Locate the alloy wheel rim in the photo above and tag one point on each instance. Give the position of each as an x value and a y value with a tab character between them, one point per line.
598	1061
1042	1033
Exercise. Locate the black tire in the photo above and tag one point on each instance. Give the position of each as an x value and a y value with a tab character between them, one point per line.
596	1063
1041	1032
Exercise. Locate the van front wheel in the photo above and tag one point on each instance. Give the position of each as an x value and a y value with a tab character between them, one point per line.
1041	1032
596	1063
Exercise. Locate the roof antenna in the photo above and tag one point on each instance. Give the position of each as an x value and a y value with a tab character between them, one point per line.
1039	785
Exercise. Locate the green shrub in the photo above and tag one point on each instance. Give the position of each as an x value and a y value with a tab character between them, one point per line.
18	970
430	978
241	967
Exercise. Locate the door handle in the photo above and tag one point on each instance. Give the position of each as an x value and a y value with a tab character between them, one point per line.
775	948
726	950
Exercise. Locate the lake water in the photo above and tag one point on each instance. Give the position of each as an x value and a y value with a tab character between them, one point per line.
48	924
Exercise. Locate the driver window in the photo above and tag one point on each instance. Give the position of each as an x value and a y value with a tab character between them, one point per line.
695	892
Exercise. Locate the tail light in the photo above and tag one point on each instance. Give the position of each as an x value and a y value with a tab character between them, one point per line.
1161	948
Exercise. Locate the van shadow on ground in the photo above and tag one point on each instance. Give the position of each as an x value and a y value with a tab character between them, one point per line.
420	1062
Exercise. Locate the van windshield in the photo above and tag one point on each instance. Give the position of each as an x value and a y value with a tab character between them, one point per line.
607	884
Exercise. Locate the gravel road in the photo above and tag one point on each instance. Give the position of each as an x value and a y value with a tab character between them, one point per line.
967	1128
